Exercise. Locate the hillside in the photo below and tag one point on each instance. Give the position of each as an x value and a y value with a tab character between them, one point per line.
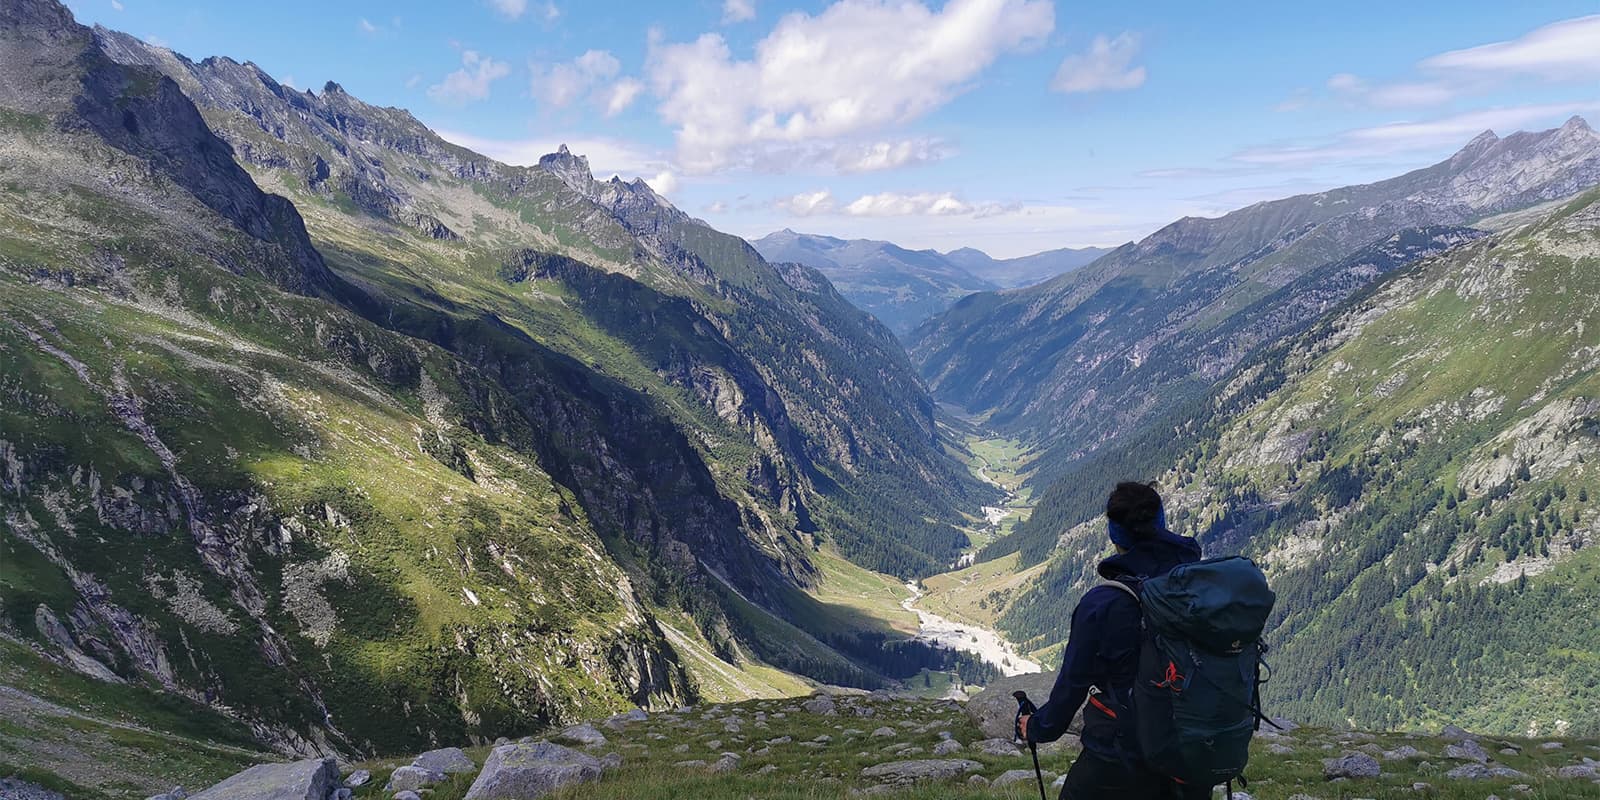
411	445
1101	352
902	287
1417	472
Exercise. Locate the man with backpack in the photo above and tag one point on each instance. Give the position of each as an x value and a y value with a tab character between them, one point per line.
1150	640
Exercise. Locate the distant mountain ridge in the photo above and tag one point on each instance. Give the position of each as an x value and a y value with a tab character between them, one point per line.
1081	359
903	287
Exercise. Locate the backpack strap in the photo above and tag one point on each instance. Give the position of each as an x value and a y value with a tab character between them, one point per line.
1120	585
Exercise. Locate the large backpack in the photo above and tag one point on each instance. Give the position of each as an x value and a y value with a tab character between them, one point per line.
1196	695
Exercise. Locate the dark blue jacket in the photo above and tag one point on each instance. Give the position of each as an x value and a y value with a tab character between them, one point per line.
1103	650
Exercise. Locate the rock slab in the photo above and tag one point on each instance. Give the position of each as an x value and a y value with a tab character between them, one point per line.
529	771
900	772
312	779
449	760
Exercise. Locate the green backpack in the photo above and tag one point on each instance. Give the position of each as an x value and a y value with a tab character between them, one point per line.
1196	696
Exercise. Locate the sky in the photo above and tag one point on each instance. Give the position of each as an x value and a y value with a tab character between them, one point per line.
1013	126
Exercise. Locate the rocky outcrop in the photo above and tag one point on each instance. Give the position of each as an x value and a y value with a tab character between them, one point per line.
313	779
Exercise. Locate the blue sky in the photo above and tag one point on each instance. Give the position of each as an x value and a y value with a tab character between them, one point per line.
1009	125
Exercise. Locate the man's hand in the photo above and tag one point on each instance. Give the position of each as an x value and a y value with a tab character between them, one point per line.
1022	726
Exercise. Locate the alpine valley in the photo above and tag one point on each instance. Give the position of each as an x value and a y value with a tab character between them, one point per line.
324	438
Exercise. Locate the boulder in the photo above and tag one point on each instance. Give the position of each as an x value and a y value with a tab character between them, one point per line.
1453	733
617	722
904	772
1401	753
175	793
412	777
529	771
312	779
1350	765
407	795
449	760
1467	750
358	778
582	735
821	704
994	710
884	732
1579	771
947	747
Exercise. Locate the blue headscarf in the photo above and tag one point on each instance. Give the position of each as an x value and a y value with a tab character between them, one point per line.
1125	538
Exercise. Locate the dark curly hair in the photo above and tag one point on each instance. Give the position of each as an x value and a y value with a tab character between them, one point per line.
1135	506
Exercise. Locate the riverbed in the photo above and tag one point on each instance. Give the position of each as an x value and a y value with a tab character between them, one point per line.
982	642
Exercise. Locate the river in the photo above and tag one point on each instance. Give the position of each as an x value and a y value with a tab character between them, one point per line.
985	643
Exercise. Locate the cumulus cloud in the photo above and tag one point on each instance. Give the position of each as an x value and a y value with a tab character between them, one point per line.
738	11
664	182
511	9
589	75
856	67
469	84
890	204
807	204
1106	67
874	156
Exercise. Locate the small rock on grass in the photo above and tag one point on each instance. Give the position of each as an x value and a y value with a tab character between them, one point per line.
1011	776
448	760
358	778
1350	765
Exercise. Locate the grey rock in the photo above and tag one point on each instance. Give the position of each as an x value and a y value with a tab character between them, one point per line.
1279	749
1509	751
175	793
412	777
449	760
581	735
821	704
311	779
358	778
1401	753
977	780
18	789
407	795
727	763
611	761
903	772
884	732
526	772
1551	746
996	747
994	710
1453	733
1482	772
947	747
682	748
341	793
1350	765
1467	750
694	763
1579	771
1011	776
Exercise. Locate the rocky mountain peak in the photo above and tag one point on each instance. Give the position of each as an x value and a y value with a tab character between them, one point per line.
1577	124
573	170
332	88
40	20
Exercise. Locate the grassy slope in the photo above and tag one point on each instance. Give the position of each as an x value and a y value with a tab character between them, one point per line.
651	752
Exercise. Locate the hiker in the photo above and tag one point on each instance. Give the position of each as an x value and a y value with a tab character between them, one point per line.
1101	659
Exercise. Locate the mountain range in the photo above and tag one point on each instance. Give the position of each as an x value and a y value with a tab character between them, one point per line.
1080	360
903	287
361	439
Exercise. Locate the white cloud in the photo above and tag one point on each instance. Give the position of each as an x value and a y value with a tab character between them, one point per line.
1106	67
589	75
511	9
664	183
1568	50
715	207
289	81
738	11
470	83
365	26
1409	137
607	157
1395	95
116	5
857	67
875	156
806	204
621	94
890	204
550	12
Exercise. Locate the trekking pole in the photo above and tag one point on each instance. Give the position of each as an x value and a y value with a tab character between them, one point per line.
1026	706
